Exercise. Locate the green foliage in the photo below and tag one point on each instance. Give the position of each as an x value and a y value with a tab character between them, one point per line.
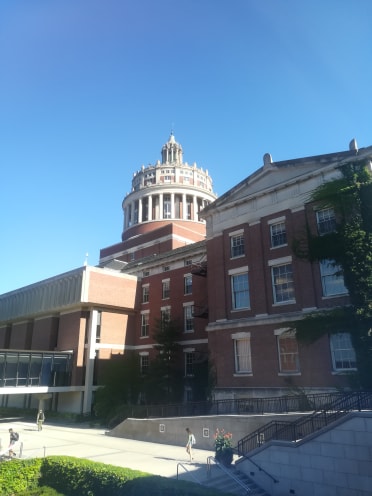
350	246
68	476
18	476
121	385
79	477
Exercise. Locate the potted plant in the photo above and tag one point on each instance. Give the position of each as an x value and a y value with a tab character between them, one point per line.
223	447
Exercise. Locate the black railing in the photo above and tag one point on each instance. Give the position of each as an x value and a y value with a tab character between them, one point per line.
341	404
243	406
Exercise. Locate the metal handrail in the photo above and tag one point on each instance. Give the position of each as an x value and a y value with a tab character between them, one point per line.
179	464
227	472
300	428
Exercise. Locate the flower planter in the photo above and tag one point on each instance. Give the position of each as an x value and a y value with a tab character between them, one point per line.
225	457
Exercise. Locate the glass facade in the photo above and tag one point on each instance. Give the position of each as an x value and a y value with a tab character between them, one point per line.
20	368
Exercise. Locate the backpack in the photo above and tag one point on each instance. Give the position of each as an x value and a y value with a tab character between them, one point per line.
16	436
193	440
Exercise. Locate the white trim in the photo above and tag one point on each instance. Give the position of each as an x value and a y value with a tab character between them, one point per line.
282	330
241	335
188	350
188	304
278	220
280	261
236	233
143	353
238	270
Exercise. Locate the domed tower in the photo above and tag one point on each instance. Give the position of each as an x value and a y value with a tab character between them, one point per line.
169	191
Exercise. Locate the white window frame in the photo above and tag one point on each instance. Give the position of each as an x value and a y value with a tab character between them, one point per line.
332	278
187	286
165	289
242	353
325	221
144	357
237	246
280	289
145	324
188	317
189	362
283	354
278	236
238	292
145	293
342	352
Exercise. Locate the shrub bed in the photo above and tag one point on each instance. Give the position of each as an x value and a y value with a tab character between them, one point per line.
69	476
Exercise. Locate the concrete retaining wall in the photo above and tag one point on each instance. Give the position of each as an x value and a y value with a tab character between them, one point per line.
172	430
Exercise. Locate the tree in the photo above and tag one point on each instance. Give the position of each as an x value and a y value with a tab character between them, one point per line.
350	246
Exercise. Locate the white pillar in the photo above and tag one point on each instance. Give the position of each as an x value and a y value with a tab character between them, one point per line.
184	209
149	206
160	205
195	207
132	213
139	210
172	205
89	365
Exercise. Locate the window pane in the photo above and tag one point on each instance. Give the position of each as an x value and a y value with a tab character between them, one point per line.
326	221
332	278
242	355
288	353
283	283
237	245
343	353
240	291
278	234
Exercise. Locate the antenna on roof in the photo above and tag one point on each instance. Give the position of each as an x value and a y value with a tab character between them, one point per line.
86	259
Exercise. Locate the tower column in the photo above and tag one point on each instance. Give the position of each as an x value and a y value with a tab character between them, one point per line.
149	206
172	206
132	213
161	205
184	206
139	210
195	208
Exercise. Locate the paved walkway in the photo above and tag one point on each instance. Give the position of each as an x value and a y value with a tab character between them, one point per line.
93	444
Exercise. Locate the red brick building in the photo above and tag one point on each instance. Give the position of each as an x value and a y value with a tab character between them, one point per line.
223	267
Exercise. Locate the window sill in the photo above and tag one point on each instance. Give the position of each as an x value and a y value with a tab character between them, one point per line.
339	295
343	371
243	309
243	374
237	256
144	337
281	303
286	374
278	246
189	331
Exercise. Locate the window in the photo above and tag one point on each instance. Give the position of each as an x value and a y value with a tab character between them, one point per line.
240	291
144	364
187	284
237	245
165	315
145	293
278	234
165	289
188	318
166	268
242	352
332	278
188	262
288	352
343	353
144	324
189	363
282	280
326	221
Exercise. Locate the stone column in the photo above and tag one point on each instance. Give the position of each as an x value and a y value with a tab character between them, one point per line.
139	210
172	206
195	208
184	207
161	205
149	206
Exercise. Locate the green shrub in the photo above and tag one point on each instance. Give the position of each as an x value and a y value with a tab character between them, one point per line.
19	475
80	477
40	491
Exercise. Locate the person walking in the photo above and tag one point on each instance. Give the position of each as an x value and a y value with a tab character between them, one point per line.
40	419
13	439
190	443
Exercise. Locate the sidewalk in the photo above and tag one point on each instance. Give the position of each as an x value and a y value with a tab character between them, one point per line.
93	444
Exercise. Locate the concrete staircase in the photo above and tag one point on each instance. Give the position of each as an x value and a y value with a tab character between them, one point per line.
220	480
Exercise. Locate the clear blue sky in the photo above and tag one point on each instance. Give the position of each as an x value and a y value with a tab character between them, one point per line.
90	90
